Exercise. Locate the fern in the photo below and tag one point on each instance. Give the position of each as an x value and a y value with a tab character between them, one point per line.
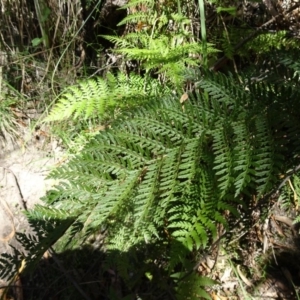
244	154
289	194
168	169
95	97
194	286
267	42
161	42
147	166
168	55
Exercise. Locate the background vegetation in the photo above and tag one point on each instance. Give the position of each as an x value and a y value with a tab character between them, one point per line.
180	120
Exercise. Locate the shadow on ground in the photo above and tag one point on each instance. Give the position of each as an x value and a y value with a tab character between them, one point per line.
93	274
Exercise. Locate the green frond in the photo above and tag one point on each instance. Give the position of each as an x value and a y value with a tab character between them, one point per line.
180	19
193	287
266	158
88	98
173	169
134	18
187	164
224	156
227	45
243	155
290	62
118	41
134	3
166	54
225	96
94	97
267	42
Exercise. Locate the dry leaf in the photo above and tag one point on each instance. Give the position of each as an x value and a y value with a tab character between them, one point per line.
243	277
226	274
184	97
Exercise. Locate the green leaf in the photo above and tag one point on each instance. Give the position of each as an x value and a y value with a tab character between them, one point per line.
231	10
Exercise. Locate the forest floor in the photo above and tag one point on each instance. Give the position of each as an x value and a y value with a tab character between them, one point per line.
25	161
262	259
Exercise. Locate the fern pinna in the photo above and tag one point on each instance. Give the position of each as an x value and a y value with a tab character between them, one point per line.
95	97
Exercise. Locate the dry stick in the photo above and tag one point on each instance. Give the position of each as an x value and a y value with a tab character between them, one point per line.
219	63
31	55
295	170
275	191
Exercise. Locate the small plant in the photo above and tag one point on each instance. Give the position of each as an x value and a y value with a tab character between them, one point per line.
162	43
8	118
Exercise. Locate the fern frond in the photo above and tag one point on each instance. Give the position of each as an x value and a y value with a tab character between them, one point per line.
94	97
134	3
148	166
134	18
289	61
88	98
267	42
118	41
265	166
224	156
193	286
171	168
243	155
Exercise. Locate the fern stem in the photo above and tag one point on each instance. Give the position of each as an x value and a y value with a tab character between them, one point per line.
179	7
203	30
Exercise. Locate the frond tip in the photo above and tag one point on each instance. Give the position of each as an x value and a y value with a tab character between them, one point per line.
85	99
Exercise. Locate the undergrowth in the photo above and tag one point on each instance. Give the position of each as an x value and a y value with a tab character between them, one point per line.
168	171
166	154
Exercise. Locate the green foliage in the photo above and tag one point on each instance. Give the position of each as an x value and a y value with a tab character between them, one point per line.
290	194
10	102
152	156
267	42
168	55
291	64
193	287
162	41
93	98
7	119
171	168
